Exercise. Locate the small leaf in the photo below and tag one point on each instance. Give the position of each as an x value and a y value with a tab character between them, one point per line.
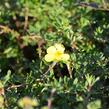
7	77
94	104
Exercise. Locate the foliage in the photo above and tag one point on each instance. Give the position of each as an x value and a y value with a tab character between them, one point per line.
28	28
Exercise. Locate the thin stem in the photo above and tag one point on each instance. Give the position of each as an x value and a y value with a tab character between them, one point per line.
50	99
50	68
69	69
104	4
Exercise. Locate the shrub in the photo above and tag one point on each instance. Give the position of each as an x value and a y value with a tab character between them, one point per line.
28	28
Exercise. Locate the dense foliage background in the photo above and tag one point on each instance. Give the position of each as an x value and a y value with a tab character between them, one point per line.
29	27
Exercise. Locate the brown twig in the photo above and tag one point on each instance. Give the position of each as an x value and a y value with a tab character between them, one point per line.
50	99
15	86
94	6
6	29
26	18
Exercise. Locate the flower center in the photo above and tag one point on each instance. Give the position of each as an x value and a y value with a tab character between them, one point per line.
58	55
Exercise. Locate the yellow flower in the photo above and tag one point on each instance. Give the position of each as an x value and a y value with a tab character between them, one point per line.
1	101
26	101
44	107
56	53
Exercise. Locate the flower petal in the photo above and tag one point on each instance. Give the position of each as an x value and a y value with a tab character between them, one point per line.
51	50
49	57
65	57
59	47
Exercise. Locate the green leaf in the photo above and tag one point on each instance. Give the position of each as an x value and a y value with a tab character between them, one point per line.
94	104
7	77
